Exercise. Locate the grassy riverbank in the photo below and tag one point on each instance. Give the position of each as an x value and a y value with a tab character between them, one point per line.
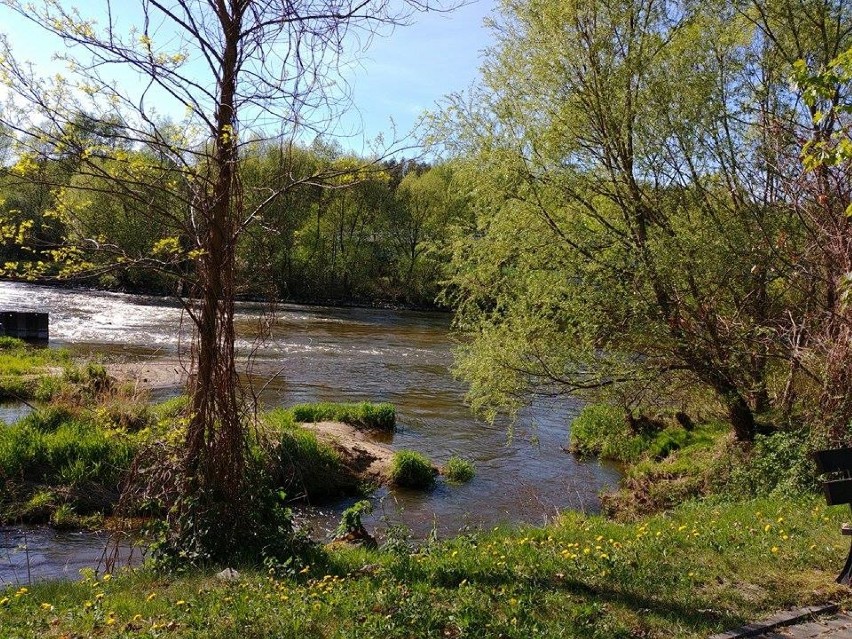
707	535
698	569
23	369
66	463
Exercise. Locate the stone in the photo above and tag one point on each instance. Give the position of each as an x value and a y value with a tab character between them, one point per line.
229	574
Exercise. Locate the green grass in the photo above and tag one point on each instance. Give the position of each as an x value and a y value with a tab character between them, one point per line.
57	457
22	366
698	570
459	470
304	466
410	469
366	414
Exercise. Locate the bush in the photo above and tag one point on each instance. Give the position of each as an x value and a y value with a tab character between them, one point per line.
602	429
458	469
378	416
411	470
779	464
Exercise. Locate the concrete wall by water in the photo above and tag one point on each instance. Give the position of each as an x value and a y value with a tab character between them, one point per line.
25	325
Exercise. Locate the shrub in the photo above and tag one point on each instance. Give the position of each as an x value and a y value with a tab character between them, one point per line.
350	520
458	469
778	464
411	470
602	429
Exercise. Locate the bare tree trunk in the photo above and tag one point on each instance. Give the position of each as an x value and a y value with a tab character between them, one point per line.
214	457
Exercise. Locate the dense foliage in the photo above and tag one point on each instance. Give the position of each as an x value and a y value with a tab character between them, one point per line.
378	235
647	229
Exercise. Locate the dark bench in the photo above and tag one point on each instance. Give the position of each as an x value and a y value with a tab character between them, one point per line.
838	490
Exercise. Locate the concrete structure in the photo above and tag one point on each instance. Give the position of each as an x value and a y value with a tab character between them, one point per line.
25	325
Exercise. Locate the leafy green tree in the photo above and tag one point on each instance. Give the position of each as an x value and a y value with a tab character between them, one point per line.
622	160
823	198
418	227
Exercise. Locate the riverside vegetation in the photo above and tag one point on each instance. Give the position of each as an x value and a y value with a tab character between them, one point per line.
67	461
692	550
642	204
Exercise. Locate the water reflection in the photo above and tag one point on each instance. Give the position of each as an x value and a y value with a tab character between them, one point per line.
29	554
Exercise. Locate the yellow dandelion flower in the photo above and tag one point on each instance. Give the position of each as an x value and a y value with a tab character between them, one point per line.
46	606
774	549
151	596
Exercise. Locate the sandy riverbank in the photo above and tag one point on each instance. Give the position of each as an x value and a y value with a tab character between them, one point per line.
151	375
368	459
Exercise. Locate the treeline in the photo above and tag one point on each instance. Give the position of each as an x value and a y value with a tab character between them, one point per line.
346	228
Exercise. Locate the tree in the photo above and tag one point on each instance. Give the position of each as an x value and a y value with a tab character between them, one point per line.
823	198
623	158
418	226
239	69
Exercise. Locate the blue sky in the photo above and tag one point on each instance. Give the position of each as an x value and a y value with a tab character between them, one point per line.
411	70
399	76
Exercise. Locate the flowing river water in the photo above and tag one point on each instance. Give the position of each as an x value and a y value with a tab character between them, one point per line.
332	354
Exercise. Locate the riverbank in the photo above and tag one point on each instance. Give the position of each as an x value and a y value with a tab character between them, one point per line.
699	569
68	462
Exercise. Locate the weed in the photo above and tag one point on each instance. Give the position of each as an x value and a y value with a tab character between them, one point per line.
459	470
410	469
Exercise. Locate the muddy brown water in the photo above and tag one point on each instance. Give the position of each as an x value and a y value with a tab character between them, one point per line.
351	354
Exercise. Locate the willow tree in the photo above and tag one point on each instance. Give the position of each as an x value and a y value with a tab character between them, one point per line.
626	159
183	84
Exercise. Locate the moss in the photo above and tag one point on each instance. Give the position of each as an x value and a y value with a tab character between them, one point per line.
410	469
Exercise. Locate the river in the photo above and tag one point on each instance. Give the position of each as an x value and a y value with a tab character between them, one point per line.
354	354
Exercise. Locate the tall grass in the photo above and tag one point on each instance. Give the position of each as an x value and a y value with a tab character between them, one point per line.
22	365
366	414
410	469
303	465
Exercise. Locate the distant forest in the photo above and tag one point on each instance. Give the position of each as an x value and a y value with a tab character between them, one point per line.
373	233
